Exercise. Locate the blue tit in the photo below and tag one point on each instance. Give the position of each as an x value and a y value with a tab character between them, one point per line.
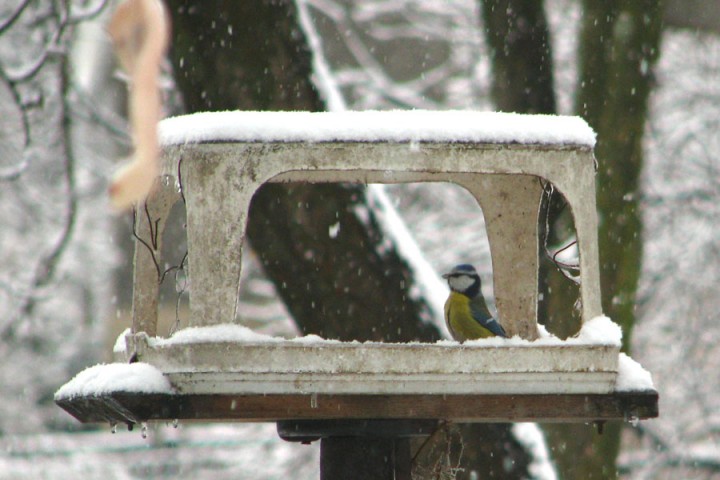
466	313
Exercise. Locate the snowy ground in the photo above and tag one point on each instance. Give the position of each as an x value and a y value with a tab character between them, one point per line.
220	452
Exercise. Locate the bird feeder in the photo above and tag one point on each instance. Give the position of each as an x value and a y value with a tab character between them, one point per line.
221	159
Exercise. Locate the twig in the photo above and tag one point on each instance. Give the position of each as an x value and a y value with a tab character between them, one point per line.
147	245
14	172
154	229
27	72
557	262
174	268
548	191
14	16
89	13
180	292
46	268
180	181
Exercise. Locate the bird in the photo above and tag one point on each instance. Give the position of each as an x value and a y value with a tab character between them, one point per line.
466	313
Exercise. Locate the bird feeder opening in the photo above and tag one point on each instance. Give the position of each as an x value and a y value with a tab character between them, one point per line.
216	162
462	209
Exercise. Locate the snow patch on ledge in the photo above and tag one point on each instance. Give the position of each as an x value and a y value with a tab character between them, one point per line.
376	126
632	377
119	346
229	333
115	377
599	331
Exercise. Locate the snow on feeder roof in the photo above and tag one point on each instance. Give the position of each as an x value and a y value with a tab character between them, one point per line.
377	126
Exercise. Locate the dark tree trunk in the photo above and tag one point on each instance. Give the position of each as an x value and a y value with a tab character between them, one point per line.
253	55
519	40
619	44
521	57
517	34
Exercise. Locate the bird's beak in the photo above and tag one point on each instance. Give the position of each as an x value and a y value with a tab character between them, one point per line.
445	276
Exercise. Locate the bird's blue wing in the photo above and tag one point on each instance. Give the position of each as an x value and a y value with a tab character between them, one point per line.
481	314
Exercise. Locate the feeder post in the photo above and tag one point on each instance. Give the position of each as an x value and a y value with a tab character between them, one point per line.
361	458
361	449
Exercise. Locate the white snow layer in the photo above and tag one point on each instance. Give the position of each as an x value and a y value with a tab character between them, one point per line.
598	331
632	377
115	377
229	333
120	345
373	126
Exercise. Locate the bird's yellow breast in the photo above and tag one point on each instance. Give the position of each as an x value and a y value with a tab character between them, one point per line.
459	319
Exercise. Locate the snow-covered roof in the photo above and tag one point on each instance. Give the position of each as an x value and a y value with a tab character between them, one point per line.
375	126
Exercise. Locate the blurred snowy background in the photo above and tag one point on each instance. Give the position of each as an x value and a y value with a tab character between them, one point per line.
64	261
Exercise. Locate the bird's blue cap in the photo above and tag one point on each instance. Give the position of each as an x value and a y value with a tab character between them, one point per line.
463	268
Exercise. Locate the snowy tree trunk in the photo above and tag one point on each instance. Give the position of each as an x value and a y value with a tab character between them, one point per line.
618	47
615	80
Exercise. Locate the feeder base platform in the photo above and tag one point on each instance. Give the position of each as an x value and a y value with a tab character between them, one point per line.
132	408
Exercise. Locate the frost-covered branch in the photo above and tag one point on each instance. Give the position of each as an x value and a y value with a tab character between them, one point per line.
55	246
45	270
53	46
79	15
678	302
12	18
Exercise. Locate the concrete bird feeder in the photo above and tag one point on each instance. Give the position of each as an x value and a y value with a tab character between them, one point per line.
221	159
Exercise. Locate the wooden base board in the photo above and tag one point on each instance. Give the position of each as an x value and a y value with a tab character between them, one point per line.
132	408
